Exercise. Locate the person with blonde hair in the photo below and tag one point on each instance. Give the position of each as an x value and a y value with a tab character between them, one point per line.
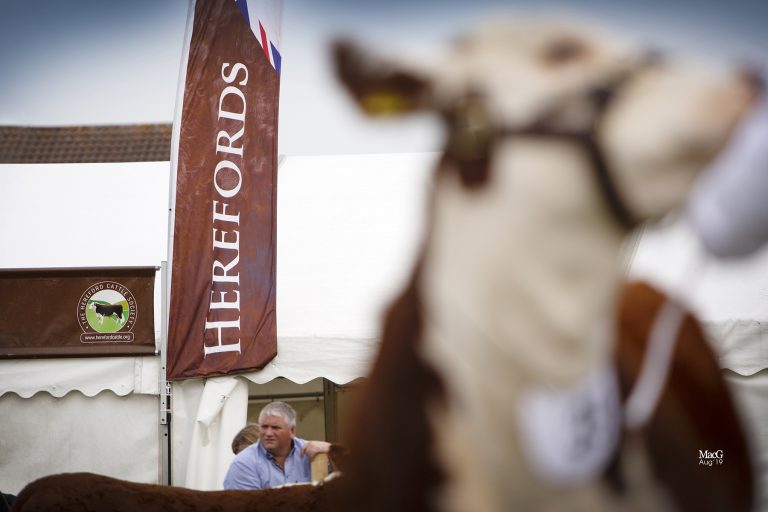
248	435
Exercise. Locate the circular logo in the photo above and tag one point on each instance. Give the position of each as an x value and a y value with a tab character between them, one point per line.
106	307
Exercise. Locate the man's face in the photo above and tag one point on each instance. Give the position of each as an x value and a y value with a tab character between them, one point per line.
275	435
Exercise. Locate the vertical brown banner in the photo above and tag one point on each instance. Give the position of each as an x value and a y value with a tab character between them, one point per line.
222	294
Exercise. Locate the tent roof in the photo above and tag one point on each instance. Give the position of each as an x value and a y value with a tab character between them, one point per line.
348	229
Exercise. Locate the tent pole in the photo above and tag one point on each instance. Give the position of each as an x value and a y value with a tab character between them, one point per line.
165	386
167	266
330	410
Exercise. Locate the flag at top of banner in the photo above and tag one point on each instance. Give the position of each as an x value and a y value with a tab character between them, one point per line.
221	313
265	17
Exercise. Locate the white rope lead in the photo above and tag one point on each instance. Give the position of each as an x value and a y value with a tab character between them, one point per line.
645	395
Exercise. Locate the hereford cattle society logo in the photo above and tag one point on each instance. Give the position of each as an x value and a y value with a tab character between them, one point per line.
106	313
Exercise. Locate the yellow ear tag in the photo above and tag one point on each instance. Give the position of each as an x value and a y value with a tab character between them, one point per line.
385	103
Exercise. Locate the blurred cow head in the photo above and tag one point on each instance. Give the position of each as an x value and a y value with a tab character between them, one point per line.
656	122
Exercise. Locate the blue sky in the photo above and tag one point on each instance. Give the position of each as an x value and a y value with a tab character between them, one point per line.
101	61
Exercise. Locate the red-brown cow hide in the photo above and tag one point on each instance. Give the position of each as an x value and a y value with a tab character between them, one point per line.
87	492
695	412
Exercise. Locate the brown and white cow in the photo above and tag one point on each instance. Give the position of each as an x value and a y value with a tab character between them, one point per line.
495	386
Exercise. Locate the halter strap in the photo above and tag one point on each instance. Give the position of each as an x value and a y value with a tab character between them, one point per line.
587	140
601	98
474	133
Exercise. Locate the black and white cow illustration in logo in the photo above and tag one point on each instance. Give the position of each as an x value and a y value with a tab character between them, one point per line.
103	310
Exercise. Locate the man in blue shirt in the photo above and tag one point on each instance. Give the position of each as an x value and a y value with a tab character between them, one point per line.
279	457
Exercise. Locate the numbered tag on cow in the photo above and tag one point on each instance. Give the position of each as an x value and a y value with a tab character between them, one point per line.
569	436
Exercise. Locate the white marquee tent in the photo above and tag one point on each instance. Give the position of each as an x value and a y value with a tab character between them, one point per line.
348	227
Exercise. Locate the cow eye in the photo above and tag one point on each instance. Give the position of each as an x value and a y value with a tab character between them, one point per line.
564	51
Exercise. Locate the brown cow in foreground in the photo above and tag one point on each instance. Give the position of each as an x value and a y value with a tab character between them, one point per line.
499	383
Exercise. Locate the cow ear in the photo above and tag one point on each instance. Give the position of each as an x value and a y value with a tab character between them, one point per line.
379	87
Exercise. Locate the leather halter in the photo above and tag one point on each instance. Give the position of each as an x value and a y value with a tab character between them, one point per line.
473	135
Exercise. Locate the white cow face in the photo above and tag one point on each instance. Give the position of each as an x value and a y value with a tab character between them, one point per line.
663	122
